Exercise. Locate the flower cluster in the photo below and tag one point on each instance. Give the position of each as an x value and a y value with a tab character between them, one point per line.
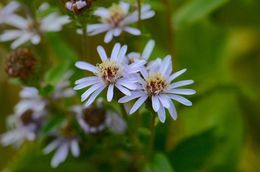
121	75
135	77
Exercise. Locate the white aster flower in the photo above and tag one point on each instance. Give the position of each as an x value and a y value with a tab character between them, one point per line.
25	128
62	146
27	119
148	49
116	19
27	29
157	85
7	12
30	99
96	119
111	72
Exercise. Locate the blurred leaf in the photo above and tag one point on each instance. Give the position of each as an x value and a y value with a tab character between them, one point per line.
56	73
52	122
160	163
192	153
195	10
199	48
220	109
61	49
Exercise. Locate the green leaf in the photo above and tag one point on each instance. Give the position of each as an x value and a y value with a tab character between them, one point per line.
195	10
192	153
219	110
52	122
61	49
56	73
160	163
200	53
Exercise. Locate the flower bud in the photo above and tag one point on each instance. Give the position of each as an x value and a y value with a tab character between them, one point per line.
78	6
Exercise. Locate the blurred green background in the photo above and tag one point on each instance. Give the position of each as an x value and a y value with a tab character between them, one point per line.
218	41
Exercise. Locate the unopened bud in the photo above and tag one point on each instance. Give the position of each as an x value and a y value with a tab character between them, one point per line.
78	6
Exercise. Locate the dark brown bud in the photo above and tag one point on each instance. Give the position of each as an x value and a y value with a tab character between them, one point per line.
21	63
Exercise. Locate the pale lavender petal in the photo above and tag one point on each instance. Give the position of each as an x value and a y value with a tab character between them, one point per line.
176	74
102	53
74	147
161	114
60	155
132	30
181	99
155	103
138	103
110	92
182	91
134	95
86	66
108	37
148	49
115	51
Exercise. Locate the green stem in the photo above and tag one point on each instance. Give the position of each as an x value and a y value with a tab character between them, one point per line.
139	13
152	137
84	41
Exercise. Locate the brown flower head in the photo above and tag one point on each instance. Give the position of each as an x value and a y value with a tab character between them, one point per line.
21	63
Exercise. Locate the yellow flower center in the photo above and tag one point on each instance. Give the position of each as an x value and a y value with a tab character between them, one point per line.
116	15
156	83
109	71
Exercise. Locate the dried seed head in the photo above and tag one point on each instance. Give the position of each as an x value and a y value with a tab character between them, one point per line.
109	71
156	83
78	6
94	117
21	63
